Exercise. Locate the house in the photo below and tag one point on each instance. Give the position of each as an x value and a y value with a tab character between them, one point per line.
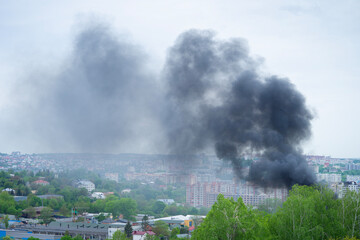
9	191
98	195
140	235
125	191
167	201
181	220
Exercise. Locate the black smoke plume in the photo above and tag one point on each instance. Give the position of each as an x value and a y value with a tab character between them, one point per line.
219	98
212	96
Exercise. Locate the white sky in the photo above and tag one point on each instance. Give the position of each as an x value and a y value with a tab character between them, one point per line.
314	43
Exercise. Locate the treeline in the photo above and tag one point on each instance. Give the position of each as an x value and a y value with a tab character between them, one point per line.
310	212
141	199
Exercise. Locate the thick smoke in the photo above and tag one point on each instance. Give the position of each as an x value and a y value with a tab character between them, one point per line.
219	98
102	99
97	96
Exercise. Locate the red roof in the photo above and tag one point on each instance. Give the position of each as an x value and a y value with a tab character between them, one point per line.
143	233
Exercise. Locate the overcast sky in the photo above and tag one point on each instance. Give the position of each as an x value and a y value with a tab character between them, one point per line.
313	43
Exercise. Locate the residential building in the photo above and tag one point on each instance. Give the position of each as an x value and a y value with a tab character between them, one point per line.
89	186
341	188
167	201
21	235
205	194
86	230
125	191
328	177
98	195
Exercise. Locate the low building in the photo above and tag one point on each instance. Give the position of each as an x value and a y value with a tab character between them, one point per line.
85	230
98	195
181	220
22	235
167	201
9	191
125	191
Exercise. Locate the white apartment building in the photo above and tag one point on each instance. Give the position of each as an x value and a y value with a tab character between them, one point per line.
86	184
328	177
341	188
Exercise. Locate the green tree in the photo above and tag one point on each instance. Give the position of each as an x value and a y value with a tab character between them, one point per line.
145	223
66	237
53	204
6	238
128	230
98	206
33	200
161	229
118	235
197	220
64	210
128	208
78	237
6	202
203	211
229	219
125	206
184	230
194	211
310	212
270	205
349	214
174	232
158	207
46	215
33	238
6	221
151	237
101	217
30	212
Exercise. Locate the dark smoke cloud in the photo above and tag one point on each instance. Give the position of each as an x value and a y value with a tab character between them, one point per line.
266	116
97	97
103	99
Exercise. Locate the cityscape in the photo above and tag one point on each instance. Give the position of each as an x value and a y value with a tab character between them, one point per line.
169	120
207	178
197	188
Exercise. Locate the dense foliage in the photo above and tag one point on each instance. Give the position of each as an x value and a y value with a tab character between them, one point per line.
310	212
